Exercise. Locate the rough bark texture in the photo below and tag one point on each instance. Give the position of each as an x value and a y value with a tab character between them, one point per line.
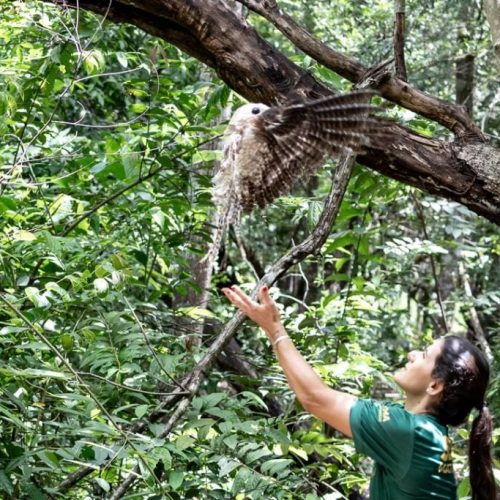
210	31
399	39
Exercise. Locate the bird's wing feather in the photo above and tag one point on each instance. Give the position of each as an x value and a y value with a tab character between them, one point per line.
296	138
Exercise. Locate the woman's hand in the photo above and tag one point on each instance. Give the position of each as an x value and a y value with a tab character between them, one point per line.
265	314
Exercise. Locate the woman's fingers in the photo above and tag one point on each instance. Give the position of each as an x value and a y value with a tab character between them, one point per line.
233	298
264	296
245	299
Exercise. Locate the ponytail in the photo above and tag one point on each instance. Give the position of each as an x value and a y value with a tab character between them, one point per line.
482	480
465	372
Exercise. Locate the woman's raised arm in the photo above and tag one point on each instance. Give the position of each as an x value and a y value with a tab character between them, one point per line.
333	407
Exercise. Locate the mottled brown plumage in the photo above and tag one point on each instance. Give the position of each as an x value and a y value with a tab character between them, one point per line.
269	149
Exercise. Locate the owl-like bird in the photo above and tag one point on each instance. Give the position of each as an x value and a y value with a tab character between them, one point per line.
268	149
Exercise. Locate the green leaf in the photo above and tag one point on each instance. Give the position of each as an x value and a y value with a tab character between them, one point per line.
49	458
36	298
196	312
226	466
101	286
255	455
183	442
175	479
9	416
34	373
103	484
275	466
23	235
463	490
5	483
141	410
251	396
7	203
164	455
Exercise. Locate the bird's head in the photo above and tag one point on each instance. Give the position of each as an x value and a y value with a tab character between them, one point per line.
244	116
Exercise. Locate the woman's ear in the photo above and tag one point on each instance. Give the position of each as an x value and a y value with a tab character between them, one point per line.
435	387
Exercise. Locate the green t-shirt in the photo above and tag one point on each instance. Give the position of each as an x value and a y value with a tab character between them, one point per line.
412	452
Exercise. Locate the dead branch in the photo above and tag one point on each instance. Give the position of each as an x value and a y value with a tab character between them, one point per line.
309	246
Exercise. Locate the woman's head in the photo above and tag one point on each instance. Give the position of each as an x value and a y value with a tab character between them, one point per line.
464	372
452	375
416	378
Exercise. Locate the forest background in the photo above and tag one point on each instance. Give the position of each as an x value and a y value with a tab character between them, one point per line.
123	372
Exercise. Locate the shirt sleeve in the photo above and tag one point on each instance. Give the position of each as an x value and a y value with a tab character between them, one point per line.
385	432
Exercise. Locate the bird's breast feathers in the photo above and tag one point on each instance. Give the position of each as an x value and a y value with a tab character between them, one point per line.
251	154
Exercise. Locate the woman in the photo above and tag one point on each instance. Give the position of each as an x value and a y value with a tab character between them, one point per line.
410	444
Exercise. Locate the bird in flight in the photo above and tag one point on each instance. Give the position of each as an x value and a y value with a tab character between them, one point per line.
268	149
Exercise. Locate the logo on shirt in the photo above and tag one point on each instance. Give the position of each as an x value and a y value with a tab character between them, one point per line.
383	414
446	465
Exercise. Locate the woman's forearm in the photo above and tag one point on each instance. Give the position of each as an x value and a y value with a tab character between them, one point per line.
303	380
333	407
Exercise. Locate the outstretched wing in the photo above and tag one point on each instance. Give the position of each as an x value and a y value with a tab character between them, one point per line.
296	138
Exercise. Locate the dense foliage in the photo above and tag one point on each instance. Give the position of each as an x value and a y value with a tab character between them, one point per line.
109	137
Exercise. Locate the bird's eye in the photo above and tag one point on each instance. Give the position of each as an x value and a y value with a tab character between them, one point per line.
255	111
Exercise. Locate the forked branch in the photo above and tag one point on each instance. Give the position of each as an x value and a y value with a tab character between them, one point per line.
309	246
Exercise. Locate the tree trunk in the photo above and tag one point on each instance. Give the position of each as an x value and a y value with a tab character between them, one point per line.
464	82
467	171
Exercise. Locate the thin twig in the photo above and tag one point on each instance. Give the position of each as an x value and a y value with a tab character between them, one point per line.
126	387
151	348
437	288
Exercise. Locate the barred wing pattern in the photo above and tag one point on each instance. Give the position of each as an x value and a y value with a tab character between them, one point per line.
294	141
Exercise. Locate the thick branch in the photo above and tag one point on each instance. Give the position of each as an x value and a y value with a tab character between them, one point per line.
221	39
391	87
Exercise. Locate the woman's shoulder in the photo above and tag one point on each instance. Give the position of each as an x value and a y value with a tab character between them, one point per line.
428	426
386	413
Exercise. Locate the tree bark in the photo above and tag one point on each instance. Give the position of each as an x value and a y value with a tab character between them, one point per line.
399	39
466	171
464	82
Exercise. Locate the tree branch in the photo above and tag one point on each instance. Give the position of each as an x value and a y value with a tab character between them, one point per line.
391	87
437	288
310	245
399	39
474	317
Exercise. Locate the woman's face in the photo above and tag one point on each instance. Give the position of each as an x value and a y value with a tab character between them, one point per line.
415	377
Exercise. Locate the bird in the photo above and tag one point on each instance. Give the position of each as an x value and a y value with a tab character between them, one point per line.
268	149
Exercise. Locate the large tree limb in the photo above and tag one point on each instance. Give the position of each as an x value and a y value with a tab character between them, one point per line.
210	31
391	87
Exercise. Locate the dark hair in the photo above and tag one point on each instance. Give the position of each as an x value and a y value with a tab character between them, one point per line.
465	372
